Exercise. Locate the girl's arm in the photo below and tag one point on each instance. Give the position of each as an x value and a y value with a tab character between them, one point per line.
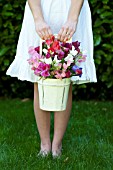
41	26
68	29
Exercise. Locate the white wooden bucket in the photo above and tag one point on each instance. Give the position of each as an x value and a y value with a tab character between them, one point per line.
53	93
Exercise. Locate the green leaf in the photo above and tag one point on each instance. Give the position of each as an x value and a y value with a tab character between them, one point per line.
97	40
3	51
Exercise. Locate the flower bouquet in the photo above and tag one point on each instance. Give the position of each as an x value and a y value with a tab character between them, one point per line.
55	63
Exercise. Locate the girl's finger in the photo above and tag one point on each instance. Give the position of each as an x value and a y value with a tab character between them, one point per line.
70	35
46	34
63	35
49	32
43	35
60	34
40	34
66	39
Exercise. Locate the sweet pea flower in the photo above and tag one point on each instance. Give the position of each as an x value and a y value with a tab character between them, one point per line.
37	72
56	59
58	75
48	55
73	51
56	45
75	67
77	70
83	59
36	56
69	62
31	50
68	74
60	55
65	66
35	65
76	44
45	73
69	57
63	74
45	51
43	66
48	60
67	45
37	49
50	41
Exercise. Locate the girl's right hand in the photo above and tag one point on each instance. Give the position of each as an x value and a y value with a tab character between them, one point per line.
43	30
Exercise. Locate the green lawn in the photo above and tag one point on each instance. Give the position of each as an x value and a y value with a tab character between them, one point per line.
87	144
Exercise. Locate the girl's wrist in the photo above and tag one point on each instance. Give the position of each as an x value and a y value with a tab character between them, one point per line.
70	19
37	19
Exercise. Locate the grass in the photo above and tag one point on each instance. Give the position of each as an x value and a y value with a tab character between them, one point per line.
87	144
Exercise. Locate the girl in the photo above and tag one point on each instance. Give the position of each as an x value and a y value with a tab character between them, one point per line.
42	19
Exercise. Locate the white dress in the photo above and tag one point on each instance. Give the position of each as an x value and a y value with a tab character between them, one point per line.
55	13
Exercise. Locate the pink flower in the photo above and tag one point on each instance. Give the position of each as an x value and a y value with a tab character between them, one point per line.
43	66
31	50
65	66
45	73
59	74
63	74
42	70
60	55
69	63
37	72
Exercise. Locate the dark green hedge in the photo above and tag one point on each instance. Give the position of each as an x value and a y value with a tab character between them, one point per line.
10	24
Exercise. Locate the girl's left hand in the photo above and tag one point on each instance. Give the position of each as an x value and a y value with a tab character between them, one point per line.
67	31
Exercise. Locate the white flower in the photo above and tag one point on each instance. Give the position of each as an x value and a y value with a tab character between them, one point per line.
48	60
73	51
45	51
69	57
56	60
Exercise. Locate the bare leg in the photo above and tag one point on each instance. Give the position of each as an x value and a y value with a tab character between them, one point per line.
43	121
60	123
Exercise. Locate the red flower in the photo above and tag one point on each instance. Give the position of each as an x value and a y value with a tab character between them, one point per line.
76	45
37	49
79	71
68	74
50	50
56	45
50	41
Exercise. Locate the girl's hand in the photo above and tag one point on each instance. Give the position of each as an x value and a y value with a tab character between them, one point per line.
67	31
43	30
